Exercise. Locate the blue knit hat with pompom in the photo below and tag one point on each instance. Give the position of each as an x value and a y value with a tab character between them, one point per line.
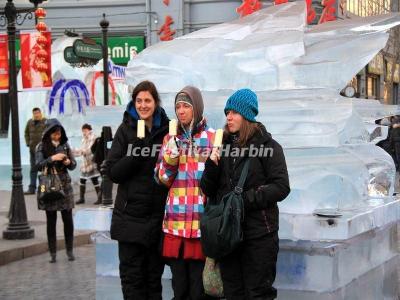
244	102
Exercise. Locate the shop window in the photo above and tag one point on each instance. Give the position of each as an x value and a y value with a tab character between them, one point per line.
373	87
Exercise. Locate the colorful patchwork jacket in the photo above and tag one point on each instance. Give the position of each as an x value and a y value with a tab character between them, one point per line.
182	175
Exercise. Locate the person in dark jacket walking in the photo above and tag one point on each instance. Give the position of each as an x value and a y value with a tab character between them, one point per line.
33	135
139	206
249	271
54	152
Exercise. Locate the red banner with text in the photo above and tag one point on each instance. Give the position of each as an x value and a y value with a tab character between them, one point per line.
36	60
3	63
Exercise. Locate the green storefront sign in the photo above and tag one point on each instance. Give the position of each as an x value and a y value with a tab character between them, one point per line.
121	48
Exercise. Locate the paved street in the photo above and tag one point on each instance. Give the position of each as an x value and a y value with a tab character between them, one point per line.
35	278
75	280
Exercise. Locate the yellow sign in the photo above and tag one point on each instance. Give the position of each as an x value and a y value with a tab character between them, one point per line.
375	66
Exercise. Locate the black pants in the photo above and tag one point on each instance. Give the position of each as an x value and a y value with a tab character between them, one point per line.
187	279
249	272
33	171
68	229
140	269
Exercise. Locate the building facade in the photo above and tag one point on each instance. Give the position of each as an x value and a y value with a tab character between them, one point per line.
380	78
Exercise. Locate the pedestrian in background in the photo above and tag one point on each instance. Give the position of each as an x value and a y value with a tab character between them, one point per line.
88	168
139	205
54	152
33	135
249	271
180	168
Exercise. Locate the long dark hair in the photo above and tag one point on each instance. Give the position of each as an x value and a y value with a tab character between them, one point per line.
147	86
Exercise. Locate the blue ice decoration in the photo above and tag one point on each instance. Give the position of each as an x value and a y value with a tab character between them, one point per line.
64	85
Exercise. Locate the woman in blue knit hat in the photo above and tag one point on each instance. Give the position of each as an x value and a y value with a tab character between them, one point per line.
249	271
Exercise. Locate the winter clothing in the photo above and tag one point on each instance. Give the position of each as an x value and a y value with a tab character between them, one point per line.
139	205
244	102
140	270
267	183
44	150
182	174
182	97
33	133
88	166
181	171
197	102
176	247
186	279
43	159
140	201
395	144
249	271
33	136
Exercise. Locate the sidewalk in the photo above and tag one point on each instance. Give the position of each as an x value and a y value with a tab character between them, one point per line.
13	250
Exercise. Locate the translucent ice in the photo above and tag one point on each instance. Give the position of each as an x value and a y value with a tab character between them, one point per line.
272	49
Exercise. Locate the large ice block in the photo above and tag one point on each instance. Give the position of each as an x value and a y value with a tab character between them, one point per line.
381	282
328	266
351	222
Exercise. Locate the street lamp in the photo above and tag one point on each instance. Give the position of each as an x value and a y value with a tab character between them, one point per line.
104	28
18	226
106	183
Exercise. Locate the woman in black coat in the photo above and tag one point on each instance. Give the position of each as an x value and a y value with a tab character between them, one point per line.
54	153
139	207
249	271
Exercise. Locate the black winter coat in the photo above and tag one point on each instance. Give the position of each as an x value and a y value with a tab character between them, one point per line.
44	151
267	183
140	201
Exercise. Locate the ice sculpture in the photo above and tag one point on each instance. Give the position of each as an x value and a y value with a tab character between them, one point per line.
75	98
338	224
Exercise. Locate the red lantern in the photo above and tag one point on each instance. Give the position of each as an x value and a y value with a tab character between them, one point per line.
42	54
41	26
40	13
42	40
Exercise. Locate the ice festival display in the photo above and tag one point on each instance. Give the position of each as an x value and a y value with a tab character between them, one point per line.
75	98
338	226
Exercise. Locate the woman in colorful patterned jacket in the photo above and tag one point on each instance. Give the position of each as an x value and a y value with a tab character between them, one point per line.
180	168
89	168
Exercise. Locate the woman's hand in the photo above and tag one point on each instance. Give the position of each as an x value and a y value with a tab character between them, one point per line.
215	155
66	162
172	148
58	157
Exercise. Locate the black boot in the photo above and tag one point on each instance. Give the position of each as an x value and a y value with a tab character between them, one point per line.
70	255
98	192
82	190
52	258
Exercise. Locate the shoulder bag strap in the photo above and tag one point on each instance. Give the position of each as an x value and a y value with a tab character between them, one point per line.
243	176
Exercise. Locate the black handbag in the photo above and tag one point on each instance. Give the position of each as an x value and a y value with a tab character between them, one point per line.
50	186
221	224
